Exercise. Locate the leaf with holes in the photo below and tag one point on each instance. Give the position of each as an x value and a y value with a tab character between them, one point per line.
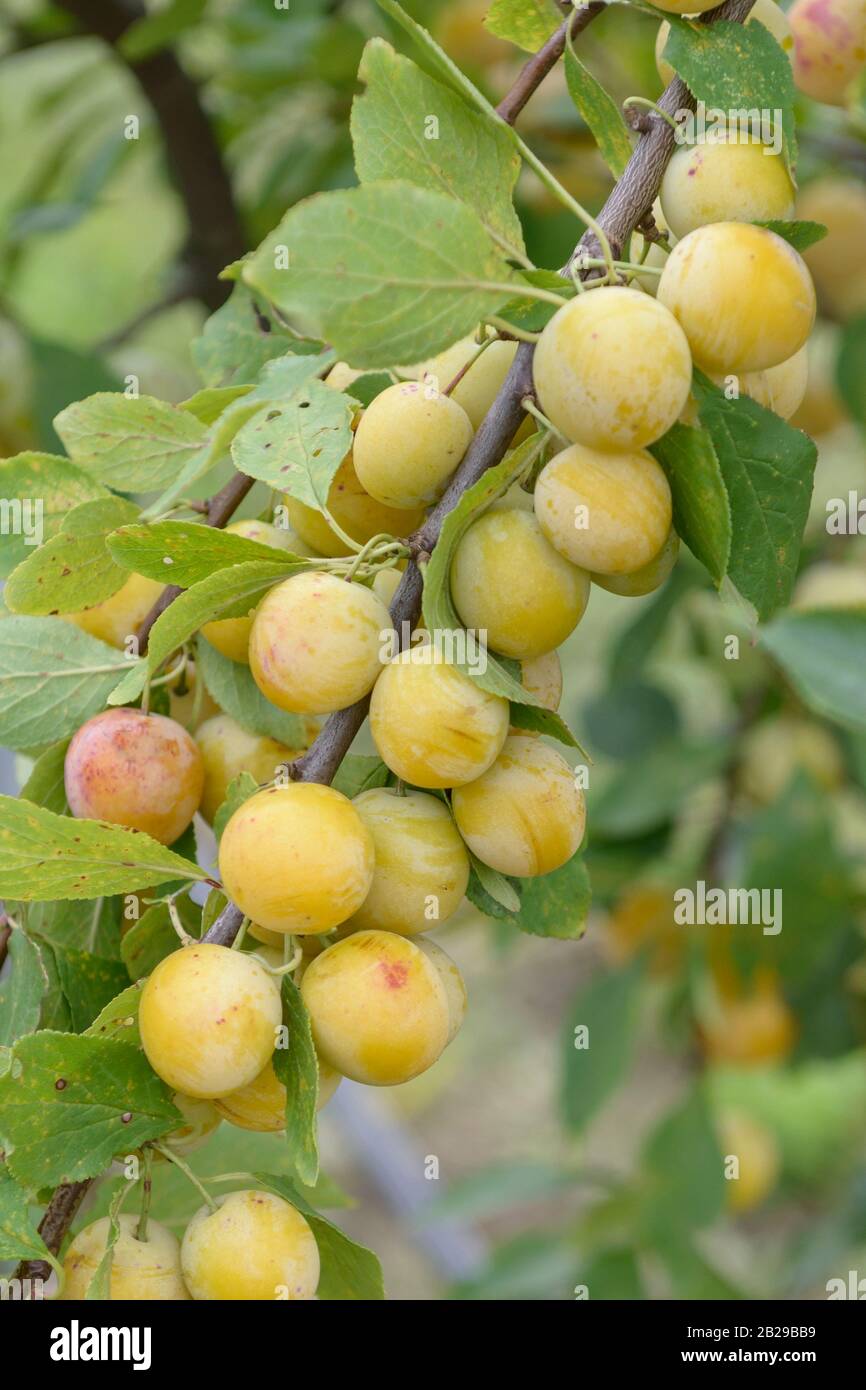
297	445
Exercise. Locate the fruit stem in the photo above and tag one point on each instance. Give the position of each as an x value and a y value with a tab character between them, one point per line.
146	1190
532	409
188	1173
651	106
522	334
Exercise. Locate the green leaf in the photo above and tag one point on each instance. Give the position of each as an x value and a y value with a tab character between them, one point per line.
152	937
186	552
40	490
239	790
598	1043
153	32
298	444
19	1238
554	905
118	1021
543	721
73	570
89	984
297	1067
600	112
648	791
851	367
735	67
349	1271
45	785
210	403
496	1189
800	235
99	1287
231	685
638	639
239	339
136	443
440	615
702	512
768	468
92	927
53	677
532	315
22	986
526	23
44	856
358	773
368	385
228	593
684	1171
496	886
69	1104
385	273
823	654
408	126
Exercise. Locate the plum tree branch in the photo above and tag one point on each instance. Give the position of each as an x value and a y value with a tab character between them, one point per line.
534	71
629	202
215	236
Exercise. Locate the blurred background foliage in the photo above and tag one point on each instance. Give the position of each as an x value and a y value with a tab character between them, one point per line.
559	1171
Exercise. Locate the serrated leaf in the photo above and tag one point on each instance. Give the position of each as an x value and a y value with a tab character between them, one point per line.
600	112
297	1067
44	856
735	67
800	235
91	926
702	512
118	1021
526	23
19	1238
231	685
387	272
135	442
598	1042
211	402
466	155
22	986
297	445
238	340
239	790
73	570
823	653
53	677
349	1270
45	785
768	468
31	481
89	984
186	552
229	593
70	1103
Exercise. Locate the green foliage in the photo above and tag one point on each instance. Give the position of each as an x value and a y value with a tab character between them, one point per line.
600	112
824	655
58	485
527	23
44	856
297	1067
48	688
597	1042
349	1271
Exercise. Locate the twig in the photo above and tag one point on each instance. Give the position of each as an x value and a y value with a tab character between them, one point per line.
533	73
220	509
59	1216
215	235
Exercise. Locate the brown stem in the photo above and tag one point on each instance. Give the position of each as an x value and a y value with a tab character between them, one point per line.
59	1216
219	510
533	73
215	236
